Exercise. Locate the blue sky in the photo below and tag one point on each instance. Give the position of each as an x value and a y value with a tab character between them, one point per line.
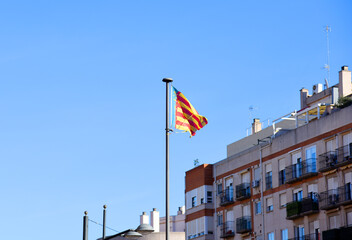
82	101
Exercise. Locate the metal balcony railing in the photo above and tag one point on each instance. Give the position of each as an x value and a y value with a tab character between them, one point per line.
243	191
301	170
313	236
344	155
226	197
327	161
227	229
304	207
338	233
336	197
243	224
333	159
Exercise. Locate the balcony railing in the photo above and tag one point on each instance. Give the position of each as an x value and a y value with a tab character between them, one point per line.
313	236
228	229
243	224
338	233
336	197
301	208
301	170
327	161
243	191
333	159
226	197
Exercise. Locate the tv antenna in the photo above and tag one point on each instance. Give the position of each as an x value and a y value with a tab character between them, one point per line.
251	108
327	66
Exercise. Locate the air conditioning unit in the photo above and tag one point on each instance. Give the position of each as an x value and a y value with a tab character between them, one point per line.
317	88
255	183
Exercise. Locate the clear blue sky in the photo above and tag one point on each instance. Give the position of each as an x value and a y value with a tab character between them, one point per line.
82	101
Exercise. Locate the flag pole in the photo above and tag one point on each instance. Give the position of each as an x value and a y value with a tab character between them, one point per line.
167	131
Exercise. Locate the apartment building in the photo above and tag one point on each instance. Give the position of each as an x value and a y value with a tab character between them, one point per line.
290	180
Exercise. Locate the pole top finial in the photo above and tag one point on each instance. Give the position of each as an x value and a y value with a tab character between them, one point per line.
85	213
167	80
104	206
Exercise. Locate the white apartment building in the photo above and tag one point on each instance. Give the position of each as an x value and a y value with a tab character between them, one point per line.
291	180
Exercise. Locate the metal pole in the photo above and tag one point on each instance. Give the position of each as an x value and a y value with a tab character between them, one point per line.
262	189
104	218
167	130
85	226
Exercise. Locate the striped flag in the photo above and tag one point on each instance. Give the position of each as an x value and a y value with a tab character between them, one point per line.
183	115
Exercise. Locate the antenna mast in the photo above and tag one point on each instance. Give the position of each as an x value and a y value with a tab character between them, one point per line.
327	66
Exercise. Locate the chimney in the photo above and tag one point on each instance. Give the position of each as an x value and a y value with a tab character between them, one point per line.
181	210
304	96
144	218
154	219
345	86
256	125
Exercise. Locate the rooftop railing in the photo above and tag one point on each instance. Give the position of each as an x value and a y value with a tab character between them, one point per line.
228	229
301	170
226	197
243	191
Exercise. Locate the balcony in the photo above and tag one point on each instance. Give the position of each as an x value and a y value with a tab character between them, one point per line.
313	236
227	229
226	197
344	155
336	197
243	224
327	161
301	208
333	159
243	191
337	233
301	170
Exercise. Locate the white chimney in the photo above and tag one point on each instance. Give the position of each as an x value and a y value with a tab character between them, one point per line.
144	218
256	125
155	220
345	85
181	210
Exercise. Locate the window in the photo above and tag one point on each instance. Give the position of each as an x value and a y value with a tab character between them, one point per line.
219	219
268	177
209	197
258	207
194	201
271	236
269	204
219	188
283	200
297	195
311	159
349	218
269	180
299	232
257	174
284	234
201	200
282	174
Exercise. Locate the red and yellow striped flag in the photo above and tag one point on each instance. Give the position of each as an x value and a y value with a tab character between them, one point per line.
183	115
